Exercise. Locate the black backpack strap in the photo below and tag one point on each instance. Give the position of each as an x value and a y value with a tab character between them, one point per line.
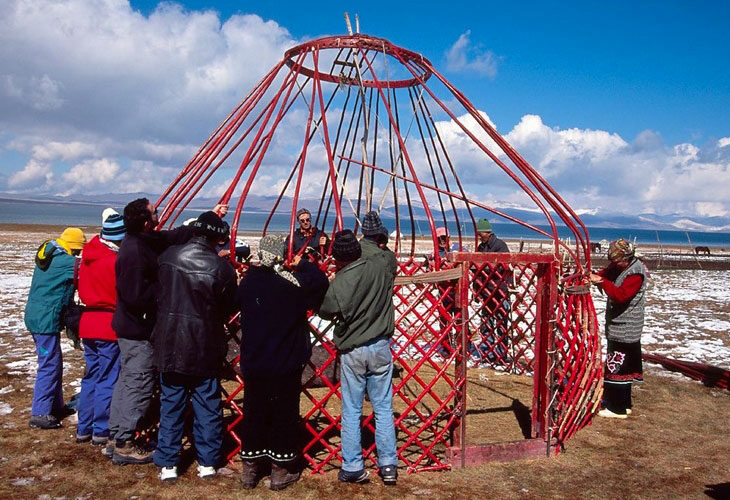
77	263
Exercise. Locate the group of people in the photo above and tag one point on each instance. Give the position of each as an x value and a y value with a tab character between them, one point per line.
490	286
155	308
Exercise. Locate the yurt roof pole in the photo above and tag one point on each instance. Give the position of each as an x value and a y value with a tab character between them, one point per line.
494	158
288	84
399	161
416	109
298	185
460	198
555	201
427	112
330	161
205	147
538	182
358	111
316	127
212	170
202	162
422	195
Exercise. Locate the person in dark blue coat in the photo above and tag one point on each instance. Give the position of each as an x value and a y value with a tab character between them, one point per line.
136	271
275	346
51	290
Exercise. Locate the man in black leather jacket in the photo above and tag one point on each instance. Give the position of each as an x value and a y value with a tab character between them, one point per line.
197	290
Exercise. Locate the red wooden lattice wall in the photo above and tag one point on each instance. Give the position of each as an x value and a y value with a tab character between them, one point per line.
441	331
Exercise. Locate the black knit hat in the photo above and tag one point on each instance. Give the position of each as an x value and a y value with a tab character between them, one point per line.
372	225
210	225
345	247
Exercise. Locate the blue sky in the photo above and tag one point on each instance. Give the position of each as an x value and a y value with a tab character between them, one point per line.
110	96
621	66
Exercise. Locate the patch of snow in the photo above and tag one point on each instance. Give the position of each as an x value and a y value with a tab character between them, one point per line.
5	408
686	317
23	481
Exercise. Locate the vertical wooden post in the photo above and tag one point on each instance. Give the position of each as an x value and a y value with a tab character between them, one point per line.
543	340
462	302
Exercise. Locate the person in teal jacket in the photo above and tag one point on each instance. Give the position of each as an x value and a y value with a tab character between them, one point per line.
51	289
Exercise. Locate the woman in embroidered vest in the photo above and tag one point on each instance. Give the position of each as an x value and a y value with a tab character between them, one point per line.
624	280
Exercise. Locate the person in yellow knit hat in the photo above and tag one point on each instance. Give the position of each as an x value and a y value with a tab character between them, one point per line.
51	290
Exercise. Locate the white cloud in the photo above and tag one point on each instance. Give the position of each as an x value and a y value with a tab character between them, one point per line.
100	80
89	174
38	92
125	100
711	209
462	56
595	169
66	151
35	174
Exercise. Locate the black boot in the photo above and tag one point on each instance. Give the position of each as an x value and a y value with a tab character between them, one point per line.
253	471
284	475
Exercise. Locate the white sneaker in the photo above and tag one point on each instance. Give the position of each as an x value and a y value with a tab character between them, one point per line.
206	471
168	474
609	414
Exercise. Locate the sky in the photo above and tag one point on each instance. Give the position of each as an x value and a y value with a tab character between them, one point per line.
622	106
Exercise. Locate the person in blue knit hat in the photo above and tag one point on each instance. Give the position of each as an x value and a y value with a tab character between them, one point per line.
97	281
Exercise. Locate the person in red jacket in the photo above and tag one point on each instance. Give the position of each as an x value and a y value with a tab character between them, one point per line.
97	291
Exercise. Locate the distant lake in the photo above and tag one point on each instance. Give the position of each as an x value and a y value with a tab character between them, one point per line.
74	214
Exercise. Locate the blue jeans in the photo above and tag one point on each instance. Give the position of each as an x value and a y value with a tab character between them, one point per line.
205	394
367	367
48	391
97	386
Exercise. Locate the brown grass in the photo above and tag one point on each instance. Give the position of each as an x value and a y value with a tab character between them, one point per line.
675	445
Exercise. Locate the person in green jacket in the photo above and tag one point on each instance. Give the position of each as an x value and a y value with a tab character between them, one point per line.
51	290
360	301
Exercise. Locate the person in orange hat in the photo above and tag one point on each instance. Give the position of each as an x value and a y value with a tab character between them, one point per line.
51	290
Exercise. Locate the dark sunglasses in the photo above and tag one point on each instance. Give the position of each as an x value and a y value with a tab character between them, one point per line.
305	220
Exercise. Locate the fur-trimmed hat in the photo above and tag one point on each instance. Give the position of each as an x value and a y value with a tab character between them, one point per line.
345	247
620	249
210	225
372	225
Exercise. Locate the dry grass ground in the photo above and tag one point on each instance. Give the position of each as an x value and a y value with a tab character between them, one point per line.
675	445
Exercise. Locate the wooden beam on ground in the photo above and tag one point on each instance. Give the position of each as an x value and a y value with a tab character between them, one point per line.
496	452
